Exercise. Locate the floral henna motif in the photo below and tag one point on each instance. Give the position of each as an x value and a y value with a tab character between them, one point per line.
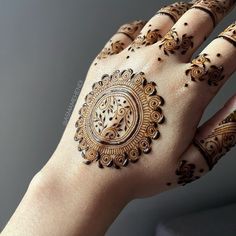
172	43
186	172
175	11
132	30
199	71
119	119
229	34
219	142
114	48
215	8
150	38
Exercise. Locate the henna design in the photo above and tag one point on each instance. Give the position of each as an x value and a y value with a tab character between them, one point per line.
150	38
199	71
229	34
215	8
132	30
113	49
219	142
175	11
185	172
172	43
119	119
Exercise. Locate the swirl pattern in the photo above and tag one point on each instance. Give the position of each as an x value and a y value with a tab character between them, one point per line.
202	70
172	43
119	119
219	142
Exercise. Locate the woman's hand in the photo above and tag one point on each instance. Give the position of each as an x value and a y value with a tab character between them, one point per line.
134	130
137	116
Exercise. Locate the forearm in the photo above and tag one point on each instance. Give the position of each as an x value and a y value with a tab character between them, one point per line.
67	198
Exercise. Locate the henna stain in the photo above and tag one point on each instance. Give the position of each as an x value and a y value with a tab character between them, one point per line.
199	71
219	142
172	43
119	119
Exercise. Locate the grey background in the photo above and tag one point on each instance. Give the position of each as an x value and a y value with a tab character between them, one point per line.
46	46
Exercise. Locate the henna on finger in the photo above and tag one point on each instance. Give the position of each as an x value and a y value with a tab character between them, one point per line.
219	142
229	34
151	37
153	34
201	70
130	31
217	9
186	173
119	119
175	10
173	43
114	48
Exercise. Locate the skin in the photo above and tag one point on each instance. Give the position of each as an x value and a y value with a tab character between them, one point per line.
67	197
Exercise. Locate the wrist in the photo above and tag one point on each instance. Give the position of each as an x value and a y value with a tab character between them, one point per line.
85	194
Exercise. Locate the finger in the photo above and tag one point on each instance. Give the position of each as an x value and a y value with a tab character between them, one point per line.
194	27
159	25
213	140
123	37
214	64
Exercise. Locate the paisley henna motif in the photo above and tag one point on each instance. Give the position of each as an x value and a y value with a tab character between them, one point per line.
229	34
215	8
201	71
172	43
175	11
119	119
219	142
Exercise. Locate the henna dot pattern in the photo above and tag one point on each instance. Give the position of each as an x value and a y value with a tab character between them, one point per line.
119	119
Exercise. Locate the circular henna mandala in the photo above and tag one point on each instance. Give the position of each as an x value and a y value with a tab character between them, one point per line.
119	119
